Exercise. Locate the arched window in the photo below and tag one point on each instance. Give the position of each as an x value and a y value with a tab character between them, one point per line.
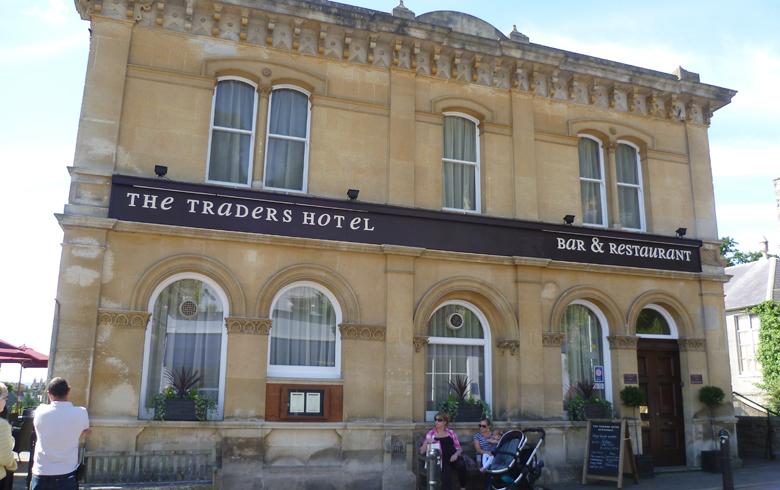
287	139
629	186
305	340
585	352
655	322
592	183
232	136
458	345
460	162
187	331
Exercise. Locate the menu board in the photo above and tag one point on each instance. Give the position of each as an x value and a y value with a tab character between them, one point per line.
607	449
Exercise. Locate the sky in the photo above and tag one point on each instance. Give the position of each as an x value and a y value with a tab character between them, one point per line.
43	56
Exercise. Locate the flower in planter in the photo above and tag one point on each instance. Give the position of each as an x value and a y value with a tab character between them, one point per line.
181	385
582	402
460	401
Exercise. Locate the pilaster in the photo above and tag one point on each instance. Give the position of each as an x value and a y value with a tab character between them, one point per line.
702	191
553	374
524	156
247	363
624	361
401	141
531	380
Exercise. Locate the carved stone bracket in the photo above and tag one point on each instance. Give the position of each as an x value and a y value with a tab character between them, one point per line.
510	345
552	339
123	318
355	331
419	343
692	345
625	342
255	326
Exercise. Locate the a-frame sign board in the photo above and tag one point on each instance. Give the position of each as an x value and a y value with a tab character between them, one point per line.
608	452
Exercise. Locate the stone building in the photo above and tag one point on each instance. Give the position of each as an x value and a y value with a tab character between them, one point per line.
329	212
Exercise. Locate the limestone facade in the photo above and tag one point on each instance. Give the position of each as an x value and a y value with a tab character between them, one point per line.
379	87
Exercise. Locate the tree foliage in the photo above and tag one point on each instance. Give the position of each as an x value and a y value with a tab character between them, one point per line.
734	256
768	353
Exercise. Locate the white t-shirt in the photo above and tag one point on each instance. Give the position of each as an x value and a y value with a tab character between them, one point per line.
58	426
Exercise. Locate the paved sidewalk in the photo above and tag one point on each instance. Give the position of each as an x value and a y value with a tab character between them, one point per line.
754	475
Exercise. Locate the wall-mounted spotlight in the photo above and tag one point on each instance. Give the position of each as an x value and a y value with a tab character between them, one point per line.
352	194
568	219
681	232
160	170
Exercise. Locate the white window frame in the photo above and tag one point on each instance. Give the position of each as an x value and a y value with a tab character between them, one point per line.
307	372
639	187
606	354
252	133
305	176
602	184
673	331
476	164
485	342
751	318
145	413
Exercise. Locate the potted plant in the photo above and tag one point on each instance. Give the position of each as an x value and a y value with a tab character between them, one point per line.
633	397
712	397
180	400
460	405
582	402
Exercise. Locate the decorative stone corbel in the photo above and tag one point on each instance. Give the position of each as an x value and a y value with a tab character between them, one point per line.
521	78
397	45
553	339
476	63
160	12
269	37
415	54
419	343
254	326
540	87
347	44
189	9
692	345
511	345
371	49
242	34
123	318
622	342
296	40
217	15
321	42
435	63
354	331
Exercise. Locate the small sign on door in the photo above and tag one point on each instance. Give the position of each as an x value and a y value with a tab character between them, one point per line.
598	377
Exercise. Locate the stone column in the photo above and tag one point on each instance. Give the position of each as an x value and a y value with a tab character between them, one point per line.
401	152
264	94
531	372
524	155
553	374
247	363
78	293
624	361
399	345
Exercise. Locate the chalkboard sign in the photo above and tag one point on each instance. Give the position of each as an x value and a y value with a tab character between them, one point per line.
608	447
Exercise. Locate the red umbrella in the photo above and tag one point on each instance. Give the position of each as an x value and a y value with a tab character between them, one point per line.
23	355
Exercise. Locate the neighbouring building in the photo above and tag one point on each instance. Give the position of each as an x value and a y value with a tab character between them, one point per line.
329	212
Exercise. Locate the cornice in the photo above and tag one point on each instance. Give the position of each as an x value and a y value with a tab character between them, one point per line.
123	318
352	34
355	331
254	326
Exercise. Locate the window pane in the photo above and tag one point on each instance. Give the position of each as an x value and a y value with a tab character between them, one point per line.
455	321
229	161
234	105
627	171
590	164
187	325
459	186
460	139
628	200
284	164
289	111
591	203
650	321
304	329
583	348
445	362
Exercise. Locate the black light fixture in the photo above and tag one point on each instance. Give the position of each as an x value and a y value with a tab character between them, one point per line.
681	232
352	194
568	219
160	170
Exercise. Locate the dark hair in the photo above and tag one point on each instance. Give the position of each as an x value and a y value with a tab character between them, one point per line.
58	387
444	416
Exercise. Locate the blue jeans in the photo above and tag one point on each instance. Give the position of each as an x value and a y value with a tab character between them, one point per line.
59	482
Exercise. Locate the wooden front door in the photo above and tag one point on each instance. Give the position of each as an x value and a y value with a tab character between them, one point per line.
663	431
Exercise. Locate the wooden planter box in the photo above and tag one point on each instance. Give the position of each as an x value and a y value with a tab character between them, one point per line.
468	413
596	412
179	409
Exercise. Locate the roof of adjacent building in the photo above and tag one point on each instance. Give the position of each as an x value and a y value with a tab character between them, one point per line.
752	283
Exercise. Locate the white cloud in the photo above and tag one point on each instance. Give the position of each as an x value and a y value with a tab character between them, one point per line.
745	158
56	13
44	49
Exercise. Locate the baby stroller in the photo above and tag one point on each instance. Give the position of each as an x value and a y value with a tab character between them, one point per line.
517	463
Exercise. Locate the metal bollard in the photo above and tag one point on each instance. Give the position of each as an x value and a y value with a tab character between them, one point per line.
433	465
725	460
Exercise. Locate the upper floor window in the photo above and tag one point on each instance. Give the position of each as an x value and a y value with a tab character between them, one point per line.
629	186
592	187
231	145
460	163
748	328
305	340
287	139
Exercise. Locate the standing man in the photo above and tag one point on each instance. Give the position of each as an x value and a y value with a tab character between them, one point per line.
59	427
